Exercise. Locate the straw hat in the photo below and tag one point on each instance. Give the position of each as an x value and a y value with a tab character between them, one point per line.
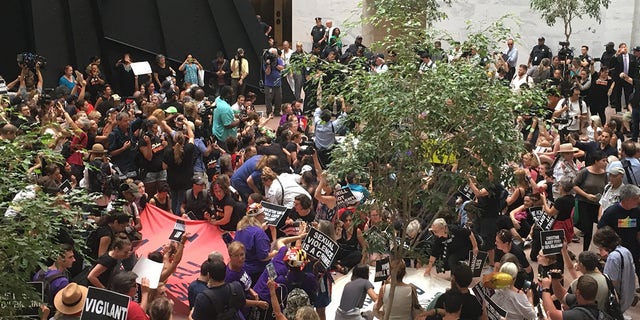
70	299
97	149
567	147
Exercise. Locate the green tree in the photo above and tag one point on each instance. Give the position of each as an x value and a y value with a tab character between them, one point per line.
31	227
414	128
567	10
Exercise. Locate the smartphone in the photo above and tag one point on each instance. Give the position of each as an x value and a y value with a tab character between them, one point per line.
271	271
192	215
261	114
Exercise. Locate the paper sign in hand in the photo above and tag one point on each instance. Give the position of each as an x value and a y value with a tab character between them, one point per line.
149	269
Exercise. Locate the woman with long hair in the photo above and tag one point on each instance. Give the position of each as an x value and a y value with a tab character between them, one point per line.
354	294
405	298
223	213
178	161
589	186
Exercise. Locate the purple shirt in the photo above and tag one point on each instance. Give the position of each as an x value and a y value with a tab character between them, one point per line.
257	246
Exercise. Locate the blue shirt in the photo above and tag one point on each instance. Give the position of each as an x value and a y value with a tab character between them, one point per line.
273	79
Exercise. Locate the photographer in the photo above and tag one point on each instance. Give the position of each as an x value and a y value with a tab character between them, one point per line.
569	113
121	147
272	66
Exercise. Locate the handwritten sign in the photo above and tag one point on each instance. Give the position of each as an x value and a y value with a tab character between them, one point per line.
344	197
273	213
551	241
383	269
321	247
103	304
476	262
543	220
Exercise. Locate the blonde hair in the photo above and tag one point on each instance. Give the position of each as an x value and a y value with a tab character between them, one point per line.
178	147
248	221
438	223
268	174
520	176
307	313
235	246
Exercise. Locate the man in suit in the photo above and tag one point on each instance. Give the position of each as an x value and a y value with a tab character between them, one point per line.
626	63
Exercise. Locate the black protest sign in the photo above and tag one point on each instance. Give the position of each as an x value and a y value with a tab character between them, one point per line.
344	197
494	311
321	247
103	304
273	213
551	241
383	268
476	262
178	231
466	192
482	293
66	186
24	308
543	220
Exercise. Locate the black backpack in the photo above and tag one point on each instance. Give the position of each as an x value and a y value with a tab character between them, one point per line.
228	304
47	280
601	314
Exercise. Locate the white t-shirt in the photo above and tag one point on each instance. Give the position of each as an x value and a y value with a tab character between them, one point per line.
515	304
575	110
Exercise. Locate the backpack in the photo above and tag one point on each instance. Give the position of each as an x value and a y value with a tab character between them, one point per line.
99	176
601	314
47	280
234	294
296	299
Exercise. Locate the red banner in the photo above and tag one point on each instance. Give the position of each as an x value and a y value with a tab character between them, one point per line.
204	238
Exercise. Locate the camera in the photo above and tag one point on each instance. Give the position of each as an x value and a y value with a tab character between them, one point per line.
307	148
597	59
31	59
565	52
270	59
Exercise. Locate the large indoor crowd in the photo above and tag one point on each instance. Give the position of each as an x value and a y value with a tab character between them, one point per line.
199	150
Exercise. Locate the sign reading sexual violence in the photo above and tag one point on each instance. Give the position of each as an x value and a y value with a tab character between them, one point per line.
321	247
551	241
344	197
273	213
476	262
543	220
383	269
104	304
203	238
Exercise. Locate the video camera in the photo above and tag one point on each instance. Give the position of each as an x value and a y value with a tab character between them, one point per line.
270	59
565	52
307	148
31	59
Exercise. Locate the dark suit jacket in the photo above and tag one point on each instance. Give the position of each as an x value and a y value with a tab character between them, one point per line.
617	64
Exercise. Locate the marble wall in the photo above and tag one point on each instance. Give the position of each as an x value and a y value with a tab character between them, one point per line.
616	22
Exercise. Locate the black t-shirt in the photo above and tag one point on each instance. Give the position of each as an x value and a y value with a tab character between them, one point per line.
179	175
517	251
308	219
163	73
157	150
93	241
110	264
221	296
197	205
317	32
491	203
564	205
218	210
471	308
458	241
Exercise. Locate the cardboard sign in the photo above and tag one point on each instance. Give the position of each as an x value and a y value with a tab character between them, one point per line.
476	262
178	231
149	269
383	269
543	220
142	67
321	247
66	186
466	192
344	197
273	213
103	304
551	241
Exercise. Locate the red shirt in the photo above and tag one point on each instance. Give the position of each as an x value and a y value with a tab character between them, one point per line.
78	142
136	312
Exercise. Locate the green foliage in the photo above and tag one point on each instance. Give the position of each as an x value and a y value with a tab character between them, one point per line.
29	238
567	10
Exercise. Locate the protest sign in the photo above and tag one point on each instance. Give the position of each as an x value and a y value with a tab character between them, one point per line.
383	269
543	220
494	311
146	268
321	247
66	186
30	310
476	262
466	192
482	293
344	197
551	241
273	213
142	67
103	304
178	231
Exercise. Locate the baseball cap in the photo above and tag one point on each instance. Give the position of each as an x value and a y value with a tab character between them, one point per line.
609	44
541	38
615	167
171	110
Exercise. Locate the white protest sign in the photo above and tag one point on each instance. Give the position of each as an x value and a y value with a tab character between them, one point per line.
146	268
142	67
